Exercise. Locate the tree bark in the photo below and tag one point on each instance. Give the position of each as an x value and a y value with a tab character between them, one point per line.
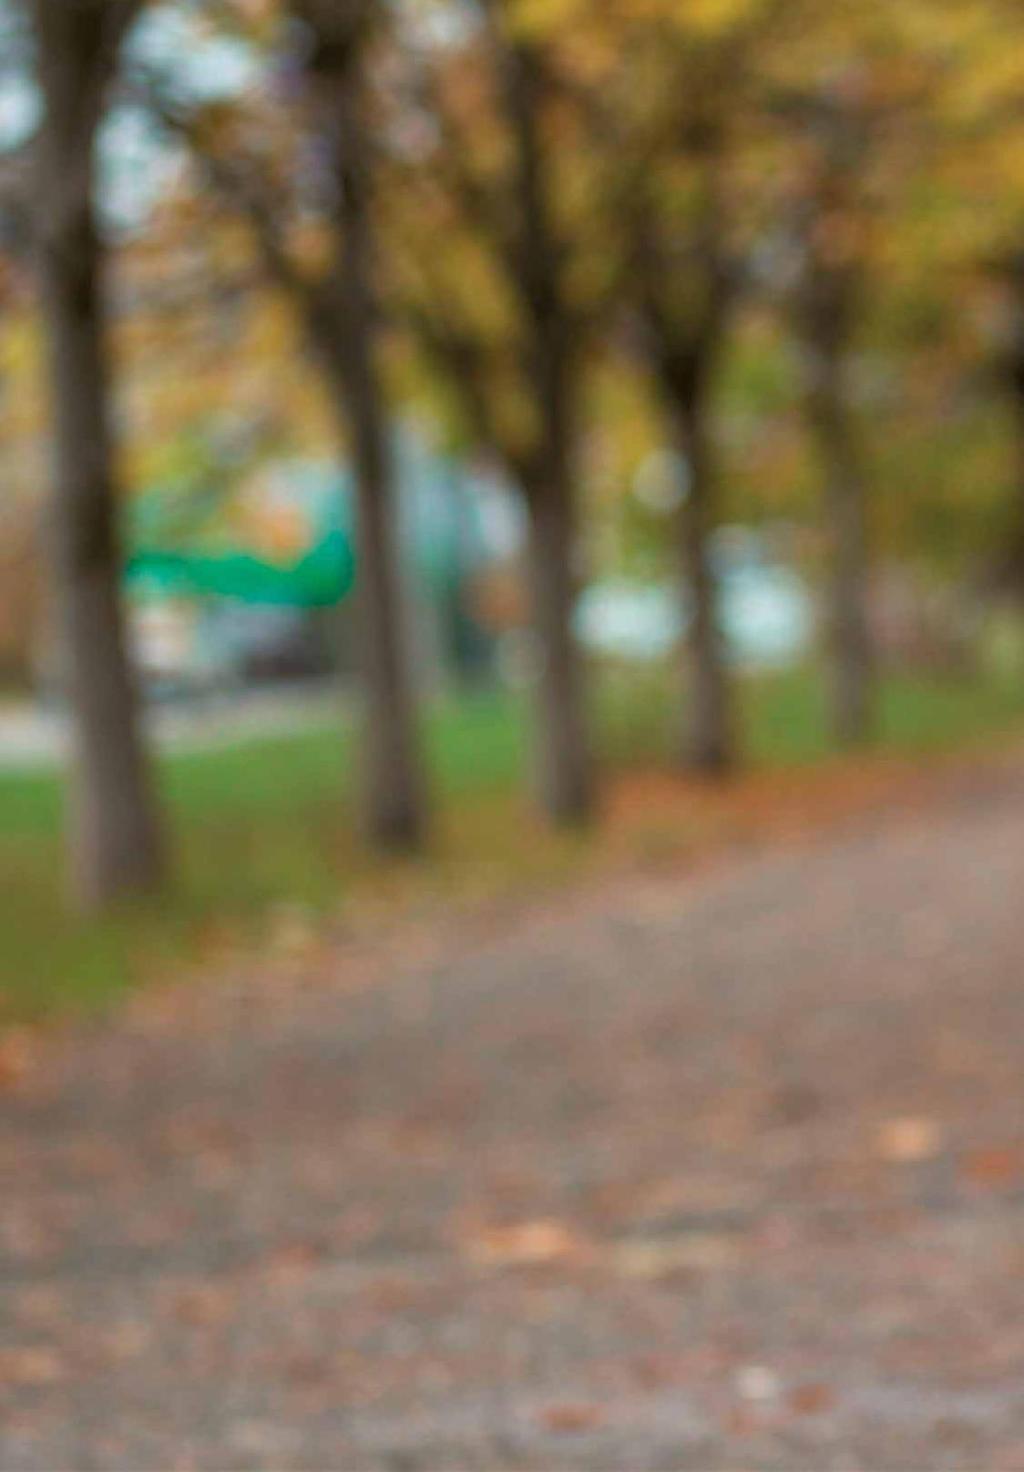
686	333
1009	565
852	663
709	739
392	786
829	304
1006	574
565	777
343	322
564	774
345	331
115	847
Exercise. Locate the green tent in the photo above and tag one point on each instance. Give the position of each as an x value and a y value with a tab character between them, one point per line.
320	578
188	538
182	544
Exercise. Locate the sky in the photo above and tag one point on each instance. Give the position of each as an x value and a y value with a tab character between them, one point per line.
136	158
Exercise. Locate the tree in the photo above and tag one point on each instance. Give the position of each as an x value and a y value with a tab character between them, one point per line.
513	349
345	337
851	145
537	262
979	122
341	313
667	114
825	223
115	841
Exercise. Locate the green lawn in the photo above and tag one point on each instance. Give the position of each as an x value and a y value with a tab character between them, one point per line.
263	825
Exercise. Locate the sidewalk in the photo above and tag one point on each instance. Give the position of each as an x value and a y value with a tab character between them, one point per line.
707	1173
33	736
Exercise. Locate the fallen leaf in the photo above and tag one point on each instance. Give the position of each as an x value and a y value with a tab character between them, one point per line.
994	1168
660	1256
16	1057
544	1240
293	930
742	1421
757	1383
32	1366
204	1305
292	1263
569	1419
811	1399
905	1141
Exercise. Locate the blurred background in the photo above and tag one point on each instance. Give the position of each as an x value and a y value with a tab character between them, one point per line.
511	714
417	422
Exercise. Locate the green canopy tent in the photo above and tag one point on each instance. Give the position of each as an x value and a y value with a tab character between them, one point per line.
186	539
319	579
185	545
225	550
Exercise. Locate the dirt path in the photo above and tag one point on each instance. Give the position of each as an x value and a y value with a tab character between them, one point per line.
720	1172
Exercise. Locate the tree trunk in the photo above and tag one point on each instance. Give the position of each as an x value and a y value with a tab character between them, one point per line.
846	515
392	786
395	810
708	742
564	771
393	783
1007	569
114	840
550	364
562	759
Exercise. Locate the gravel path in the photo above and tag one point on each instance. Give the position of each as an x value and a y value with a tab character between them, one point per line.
685	1173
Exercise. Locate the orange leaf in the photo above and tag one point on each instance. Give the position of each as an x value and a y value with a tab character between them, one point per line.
994	1168
544	1240
905	1141
568	1419
811	1399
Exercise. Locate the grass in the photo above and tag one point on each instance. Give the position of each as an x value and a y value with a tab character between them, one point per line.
262	830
